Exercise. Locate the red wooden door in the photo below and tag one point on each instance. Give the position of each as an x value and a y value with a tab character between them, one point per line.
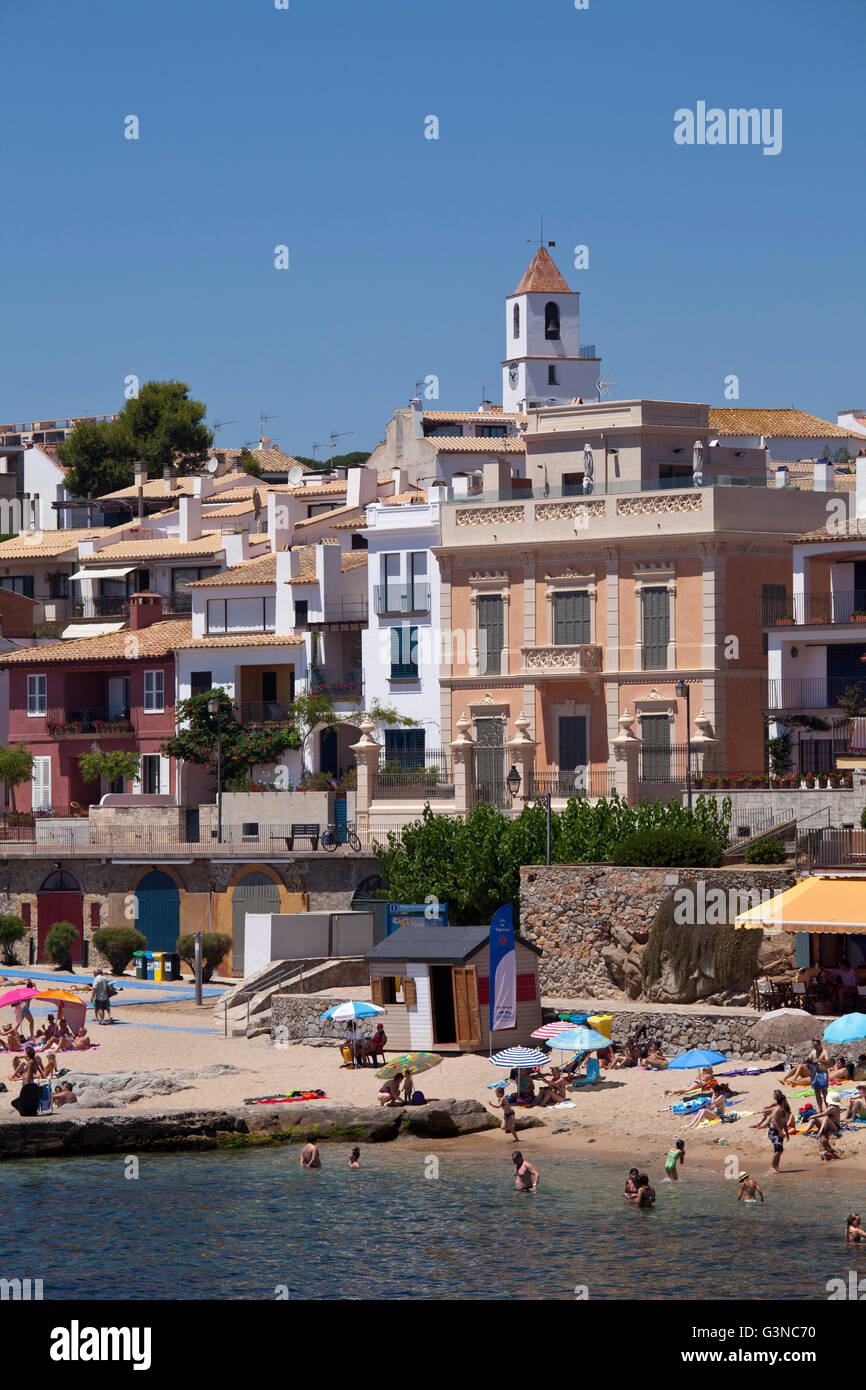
59	907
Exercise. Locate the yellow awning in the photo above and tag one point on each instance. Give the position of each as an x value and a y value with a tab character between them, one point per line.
813	905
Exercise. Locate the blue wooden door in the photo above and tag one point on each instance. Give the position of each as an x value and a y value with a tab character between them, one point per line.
158	911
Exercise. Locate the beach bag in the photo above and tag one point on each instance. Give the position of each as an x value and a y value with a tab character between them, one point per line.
27	1103
419	1098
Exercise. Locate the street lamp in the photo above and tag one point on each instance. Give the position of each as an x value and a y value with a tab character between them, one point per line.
214	706
512	782
684	693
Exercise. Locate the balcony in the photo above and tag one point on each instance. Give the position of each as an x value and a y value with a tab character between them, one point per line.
350	610
117	606
578	782
402	598
582	660
800	610
427	776
810	692
264	712
74	723
337	685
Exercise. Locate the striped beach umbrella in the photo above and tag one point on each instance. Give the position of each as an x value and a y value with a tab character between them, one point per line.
519	1057
784	1028
353	1008
550	1030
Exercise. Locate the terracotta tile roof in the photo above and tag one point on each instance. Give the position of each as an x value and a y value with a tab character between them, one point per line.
413	495
318	489
453	444
356	523
542	276
854	529
270	460
158	640
337	512
44	544
154	490
243	639
353	560
158	548
781	424
239	509
495	416
801	475
262	569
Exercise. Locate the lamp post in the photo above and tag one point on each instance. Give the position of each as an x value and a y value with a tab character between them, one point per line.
512	782
214	706
684	693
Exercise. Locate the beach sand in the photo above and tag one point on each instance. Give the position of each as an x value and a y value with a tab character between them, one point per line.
622	1118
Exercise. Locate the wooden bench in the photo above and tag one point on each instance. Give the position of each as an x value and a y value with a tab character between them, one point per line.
303	832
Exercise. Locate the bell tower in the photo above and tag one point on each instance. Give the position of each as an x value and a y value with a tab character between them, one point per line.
543	363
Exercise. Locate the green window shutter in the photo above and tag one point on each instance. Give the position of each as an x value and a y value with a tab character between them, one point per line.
656	629
571	619
491	632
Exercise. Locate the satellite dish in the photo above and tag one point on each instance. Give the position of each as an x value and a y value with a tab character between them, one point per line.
212	465
296	474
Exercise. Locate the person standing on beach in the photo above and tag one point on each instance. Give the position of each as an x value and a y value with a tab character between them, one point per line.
818	1063
100	1000
509	1120
22	1010
777	1132
526	1177
748	1188
310	1155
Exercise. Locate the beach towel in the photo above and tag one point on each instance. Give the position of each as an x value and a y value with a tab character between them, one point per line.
564	1105
283	1100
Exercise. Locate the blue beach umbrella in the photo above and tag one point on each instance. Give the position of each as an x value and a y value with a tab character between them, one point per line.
698	1057
579	1040
847	1029
353	1008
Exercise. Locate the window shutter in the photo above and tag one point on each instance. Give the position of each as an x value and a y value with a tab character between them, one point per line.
410	995
377	993
571	619
491	631
466	1016
656	629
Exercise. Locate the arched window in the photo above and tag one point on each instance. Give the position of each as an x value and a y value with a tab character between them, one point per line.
551	319
516	320
60	882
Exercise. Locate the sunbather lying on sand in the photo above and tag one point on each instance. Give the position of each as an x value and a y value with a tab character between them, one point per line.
81	1041
797	1076
714	1110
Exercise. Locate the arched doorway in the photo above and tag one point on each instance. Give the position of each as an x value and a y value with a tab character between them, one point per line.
158	910
255	892
59	899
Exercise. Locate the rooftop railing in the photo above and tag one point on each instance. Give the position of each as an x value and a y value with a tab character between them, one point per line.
845	606
614	488
402	598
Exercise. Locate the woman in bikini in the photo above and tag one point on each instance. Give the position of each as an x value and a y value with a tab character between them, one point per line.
853	1229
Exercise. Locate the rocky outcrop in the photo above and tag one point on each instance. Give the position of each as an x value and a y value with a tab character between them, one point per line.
245	1126
592	921
112	1090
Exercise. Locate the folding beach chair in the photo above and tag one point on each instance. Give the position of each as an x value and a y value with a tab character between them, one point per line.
593	1073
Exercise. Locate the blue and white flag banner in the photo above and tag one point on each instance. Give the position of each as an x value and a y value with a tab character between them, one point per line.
503	971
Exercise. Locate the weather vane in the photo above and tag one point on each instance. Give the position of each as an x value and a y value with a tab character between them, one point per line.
541	235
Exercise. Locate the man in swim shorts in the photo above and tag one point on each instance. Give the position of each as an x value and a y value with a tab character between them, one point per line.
525	1176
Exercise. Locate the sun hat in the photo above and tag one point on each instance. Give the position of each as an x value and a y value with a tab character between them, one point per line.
742	1177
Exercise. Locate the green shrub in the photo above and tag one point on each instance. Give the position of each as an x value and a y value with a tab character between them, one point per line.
59	942
118	944
863	819
215	946
668	849
12	930
768	850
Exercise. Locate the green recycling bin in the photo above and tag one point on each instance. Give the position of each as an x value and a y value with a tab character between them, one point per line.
140	958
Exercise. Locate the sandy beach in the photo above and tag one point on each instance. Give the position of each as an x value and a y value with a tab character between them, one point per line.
623	1118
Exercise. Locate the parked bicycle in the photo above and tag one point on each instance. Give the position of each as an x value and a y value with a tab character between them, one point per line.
341	835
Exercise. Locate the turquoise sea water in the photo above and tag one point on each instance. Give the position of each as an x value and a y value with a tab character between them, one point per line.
238	1225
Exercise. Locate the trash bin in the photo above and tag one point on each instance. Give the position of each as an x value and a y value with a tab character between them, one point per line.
140	958
171	962
602	1023
159	965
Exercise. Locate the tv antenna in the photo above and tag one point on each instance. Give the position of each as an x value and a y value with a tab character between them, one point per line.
219	424
263	419
334	436
603	388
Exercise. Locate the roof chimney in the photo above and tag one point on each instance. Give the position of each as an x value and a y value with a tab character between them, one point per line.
144	609
825	476
140	473
781	476
169	478
189	519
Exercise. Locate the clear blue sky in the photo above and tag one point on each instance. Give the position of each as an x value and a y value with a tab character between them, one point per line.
306	127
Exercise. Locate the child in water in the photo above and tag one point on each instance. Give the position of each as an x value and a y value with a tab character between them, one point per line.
675	1155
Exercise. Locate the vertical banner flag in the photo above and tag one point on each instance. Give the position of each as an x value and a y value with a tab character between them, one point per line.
503	970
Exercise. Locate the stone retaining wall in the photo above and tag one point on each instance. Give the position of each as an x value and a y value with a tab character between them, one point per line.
592	922
728	1033
297	1016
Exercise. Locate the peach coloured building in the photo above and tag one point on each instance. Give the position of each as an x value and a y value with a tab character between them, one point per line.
626	561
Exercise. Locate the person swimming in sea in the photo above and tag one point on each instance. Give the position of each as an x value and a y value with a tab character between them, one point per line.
676	1155
748	1188
631	1183
645	1195
526	1178
853	1230
355	1157
310	1155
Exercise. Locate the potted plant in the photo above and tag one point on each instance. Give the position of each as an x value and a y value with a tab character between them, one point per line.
786	621
859	615
809	781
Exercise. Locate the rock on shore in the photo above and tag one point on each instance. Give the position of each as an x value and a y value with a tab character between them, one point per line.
246	1126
